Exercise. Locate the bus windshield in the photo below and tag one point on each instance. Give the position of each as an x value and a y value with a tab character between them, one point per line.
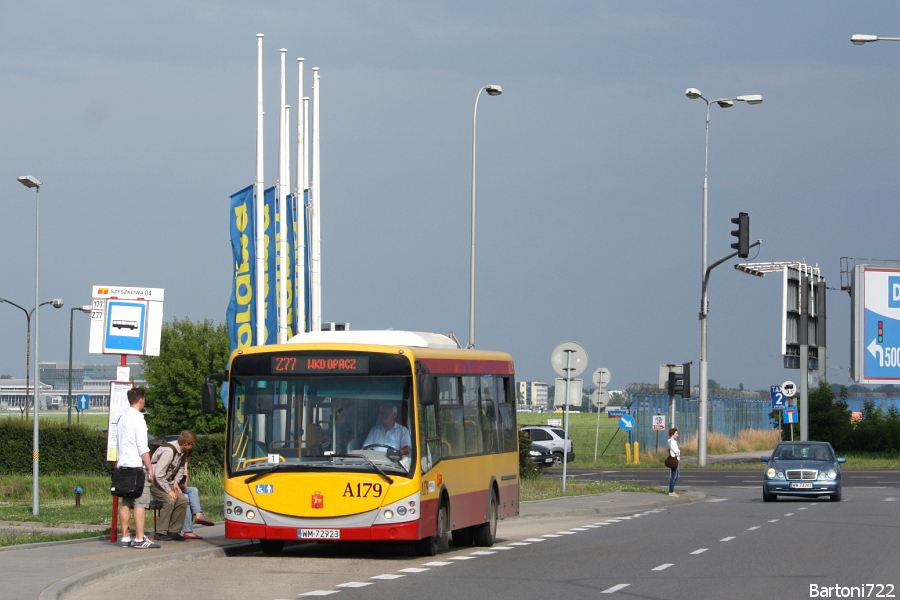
321	423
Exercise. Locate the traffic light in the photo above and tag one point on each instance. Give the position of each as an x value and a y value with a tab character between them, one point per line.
742	234
680	383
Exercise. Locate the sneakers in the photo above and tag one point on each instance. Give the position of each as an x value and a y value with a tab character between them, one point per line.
126	542
145	543
673	494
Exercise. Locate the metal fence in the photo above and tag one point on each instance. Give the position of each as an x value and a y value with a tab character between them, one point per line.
730	411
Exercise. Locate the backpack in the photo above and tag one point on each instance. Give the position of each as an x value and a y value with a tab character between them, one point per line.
157	443
161	443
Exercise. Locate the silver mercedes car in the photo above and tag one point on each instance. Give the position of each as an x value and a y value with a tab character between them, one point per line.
802	469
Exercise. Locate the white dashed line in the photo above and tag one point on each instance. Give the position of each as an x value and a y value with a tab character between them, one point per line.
413	570
320	593
615	588
699	550
592	526
566	532
773	520
482	553
503	547
662	567
717	500
579	529
535	540
520	543
803	508
462	558
890	499
437	563
728	539
789	514
354	584
754	528
550	535
388	576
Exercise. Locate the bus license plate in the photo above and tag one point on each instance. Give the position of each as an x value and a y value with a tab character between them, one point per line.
802	486
318	534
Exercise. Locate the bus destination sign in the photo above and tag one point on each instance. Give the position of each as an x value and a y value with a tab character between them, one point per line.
320	364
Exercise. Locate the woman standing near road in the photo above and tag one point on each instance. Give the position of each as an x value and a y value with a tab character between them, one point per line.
675	453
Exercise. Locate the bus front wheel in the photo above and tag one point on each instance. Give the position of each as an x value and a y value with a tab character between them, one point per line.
430	545
486	533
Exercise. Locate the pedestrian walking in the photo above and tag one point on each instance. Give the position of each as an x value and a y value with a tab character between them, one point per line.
674	452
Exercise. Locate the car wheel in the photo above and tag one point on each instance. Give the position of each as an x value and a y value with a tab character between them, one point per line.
767	497
557	459
836	497
271	546
486	533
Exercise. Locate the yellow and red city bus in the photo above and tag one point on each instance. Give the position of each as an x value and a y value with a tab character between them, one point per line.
299	465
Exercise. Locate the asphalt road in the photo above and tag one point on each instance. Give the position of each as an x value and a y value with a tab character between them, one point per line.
697	479
729	545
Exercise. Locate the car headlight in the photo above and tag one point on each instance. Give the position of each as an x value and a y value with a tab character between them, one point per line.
771	472
832	474
533	453
822	475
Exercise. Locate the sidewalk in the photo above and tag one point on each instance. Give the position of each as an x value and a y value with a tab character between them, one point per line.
51	570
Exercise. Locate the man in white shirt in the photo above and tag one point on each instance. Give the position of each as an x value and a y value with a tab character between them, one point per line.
388	432
133	451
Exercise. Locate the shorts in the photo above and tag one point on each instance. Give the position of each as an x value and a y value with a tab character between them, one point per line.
143	501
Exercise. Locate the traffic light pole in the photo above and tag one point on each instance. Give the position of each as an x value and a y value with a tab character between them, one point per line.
703	407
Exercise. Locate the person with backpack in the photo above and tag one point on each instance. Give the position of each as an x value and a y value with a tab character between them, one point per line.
168	459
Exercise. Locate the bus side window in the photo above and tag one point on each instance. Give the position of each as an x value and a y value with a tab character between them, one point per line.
430	440
489	414
453	440
472	415
507	414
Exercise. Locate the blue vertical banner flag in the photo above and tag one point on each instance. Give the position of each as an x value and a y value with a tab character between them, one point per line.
288	228
240	315
270	276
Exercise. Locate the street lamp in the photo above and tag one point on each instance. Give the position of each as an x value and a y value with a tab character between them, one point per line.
57	303
85	309
861	39
492	90
693	94
31	182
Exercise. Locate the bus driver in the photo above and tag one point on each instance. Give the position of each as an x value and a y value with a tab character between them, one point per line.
389	432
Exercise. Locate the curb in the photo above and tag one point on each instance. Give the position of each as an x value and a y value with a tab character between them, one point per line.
80	580
606	510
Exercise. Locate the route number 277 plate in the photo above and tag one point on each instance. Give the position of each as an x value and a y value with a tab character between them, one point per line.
318	534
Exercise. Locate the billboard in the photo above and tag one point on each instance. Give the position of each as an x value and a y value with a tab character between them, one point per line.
875	324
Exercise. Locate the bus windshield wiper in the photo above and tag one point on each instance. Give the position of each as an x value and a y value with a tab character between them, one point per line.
272	469
366	458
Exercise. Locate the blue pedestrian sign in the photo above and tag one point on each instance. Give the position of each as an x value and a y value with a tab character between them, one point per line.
84	402
790	415
626	422
779	400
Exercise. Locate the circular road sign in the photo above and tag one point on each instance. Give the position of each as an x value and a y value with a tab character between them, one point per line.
626	422
569	354
788	388
600	398
601	377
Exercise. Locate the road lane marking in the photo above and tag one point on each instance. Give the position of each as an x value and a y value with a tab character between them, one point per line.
889	499
354	584
566	532
550	535
482	553
789	514
773	520
662	567
503	547
388	576
717	500
535	540
438	563
592	526
802	508
462	558
754	528
699	550
520	543
615	588
413	570
579	529
728	539
320	593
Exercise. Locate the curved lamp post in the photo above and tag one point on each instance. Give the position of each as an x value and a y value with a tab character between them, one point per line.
693	94
85	309
860	39
492	90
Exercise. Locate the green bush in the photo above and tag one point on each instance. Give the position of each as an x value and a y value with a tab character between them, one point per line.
527	468
67	449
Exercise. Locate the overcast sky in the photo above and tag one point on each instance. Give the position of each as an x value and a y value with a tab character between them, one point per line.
140	121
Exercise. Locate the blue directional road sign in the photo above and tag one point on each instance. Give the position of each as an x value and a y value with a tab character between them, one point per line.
84	402
626	422
616	412
790	415
779	400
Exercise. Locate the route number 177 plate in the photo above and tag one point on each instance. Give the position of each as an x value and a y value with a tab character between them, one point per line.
318	534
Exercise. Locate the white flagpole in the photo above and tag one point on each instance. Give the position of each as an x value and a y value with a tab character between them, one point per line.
314	213
259	200
300	242
282	212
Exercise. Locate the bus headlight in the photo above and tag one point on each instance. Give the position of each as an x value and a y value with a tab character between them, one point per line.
388	514
401	510
250	514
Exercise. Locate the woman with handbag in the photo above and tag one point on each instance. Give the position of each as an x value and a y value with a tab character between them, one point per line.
673	460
